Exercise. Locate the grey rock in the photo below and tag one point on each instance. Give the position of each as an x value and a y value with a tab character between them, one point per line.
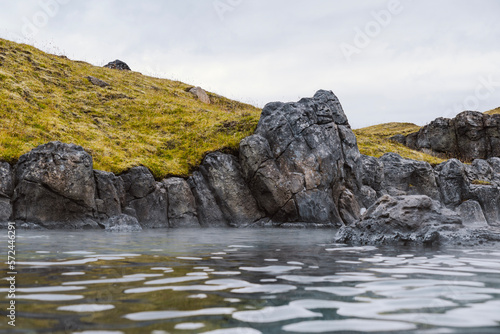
97	82
200	94
472	215
181	203
349	208
470	135
223	174
399	138
414	218
301	158
122	223
118	65
208	211
6	180
55	186
408	177
110	194
5	209
151	210
138	182
372	172
489	198
453	182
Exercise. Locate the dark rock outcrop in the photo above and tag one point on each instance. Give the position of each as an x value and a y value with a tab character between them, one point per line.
145	198
181	204
470	135
118	65
55	187
301	160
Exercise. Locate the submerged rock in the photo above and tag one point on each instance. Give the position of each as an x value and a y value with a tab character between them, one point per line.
413	218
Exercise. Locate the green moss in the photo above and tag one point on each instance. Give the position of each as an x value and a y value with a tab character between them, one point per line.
481	183
138	120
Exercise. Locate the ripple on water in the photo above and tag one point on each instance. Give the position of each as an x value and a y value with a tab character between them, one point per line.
49	297
237	330
189	326
161	315
361	325
84	308
274	314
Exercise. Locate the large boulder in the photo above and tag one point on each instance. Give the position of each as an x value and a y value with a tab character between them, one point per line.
413	218
301	159
200	94
55	187
145	198
118	65
181	203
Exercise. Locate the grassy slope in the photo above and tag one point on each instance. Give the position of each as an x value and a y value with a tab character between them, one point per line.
494	111
373	140
138	120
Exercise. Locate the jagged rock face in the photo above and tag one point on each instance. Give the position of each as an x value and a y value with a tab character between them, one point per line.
55	187
470	135
181	204
145	198
110	194
6	191
301	159
223	176
208	211
413	218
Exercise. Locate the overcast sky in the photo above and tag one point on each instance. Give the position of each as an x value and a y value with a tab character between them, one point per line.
386	60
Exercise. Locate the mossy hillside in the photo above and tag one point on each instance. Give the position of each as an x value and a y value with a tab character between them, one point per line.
374	141
137	120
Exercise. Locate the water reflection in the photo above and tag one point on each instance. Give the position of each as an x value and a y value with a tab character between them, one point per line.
259	281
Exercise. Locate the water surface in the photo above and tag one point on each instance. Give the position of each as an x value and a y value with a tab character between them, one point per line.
247	281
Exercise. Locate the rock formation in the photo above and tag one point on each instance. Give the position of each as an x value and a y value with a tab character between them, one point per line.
470	135
301	168
118	65
200	94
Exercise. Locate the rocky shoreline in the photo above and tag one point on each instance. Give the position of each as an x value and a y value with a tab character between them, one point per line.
301	168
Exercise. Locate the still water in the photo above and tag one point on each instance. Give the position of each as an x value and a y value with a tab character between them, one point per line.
224	281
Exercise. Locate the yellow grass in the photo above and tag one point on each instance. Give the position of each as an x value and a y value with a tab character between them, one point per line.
137	120
374	141
494	111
